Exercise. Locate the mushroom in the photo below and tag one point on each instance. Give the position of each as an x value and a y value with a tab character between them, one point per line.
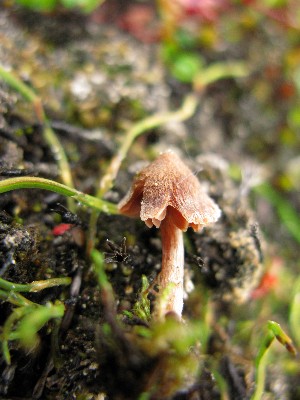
168	195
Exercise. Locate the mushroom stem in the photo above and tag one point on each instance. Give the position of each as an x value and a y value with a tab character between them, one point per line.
170	279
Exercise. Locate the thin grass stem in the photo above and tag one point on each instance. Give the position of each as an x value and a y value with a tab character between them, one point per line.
41	183
34	286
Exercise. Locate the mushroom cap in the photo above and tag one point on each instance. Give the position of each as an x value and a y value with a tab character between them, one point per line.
167	185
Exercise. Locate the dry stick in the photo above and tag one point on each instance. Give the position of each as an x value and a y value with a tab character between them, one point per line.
48	133
184	112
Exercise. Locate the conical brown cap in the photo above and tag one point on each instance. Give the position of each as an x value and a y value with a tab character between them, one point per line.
167	185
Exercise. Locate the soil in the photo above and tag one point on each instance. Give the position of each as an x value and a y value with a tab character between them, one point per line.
94	81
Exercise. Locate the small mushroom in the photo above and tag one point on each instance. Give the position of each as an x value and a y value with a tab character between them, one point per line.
168	195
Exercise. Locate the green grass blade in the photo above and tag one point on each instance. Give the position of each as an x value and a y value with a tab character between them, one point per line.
35	286
274	331
288	215
41	183
218	71
294	317
32	322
